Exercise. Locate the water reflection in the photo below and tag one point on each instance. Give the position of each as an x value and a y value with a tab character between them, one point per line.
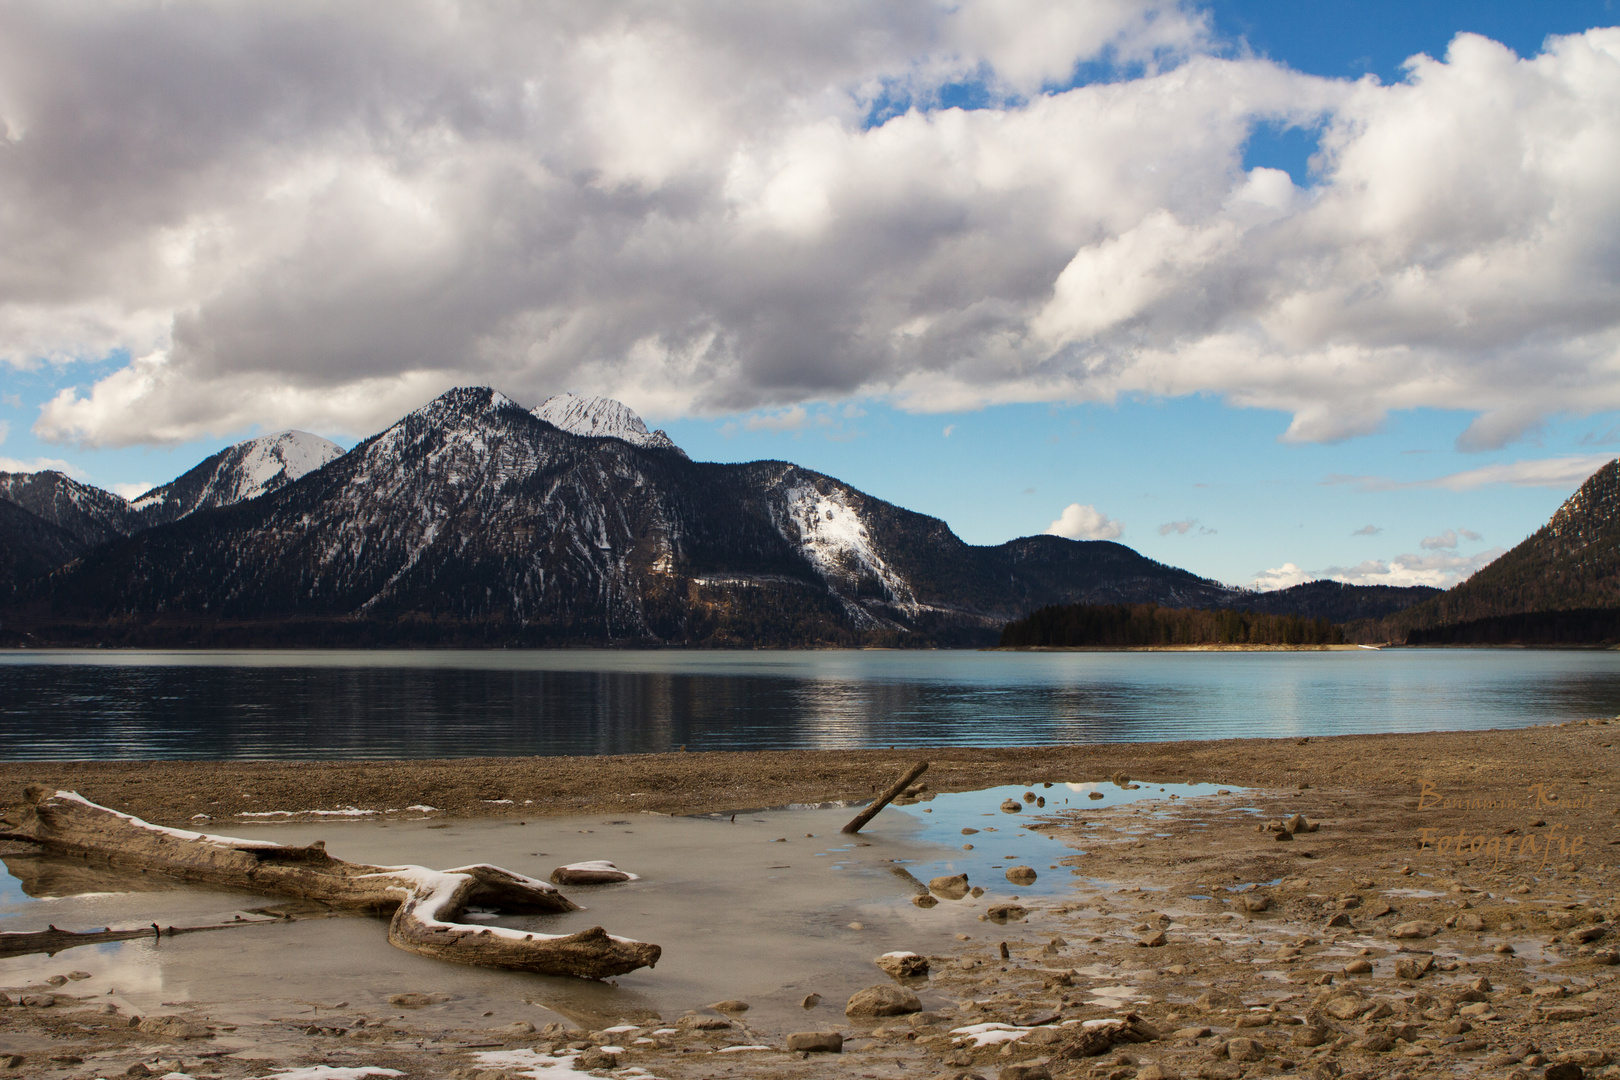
450	704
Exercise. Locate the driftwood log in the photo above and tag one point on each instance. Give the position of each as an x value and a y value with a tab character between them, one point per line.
425	902
896	789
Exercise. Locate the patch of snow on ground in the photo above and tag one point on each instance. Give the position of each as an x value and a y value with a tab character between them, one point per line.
347	811
990	1034
422	808
736	1049
330	1072
528	1063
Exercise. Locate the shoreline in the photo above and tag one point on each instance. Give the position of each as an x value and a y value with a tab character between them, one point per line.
175	792
1243	957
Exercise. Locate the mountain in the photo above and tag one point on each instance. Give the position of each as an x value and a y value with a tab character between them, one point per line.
31	547
92	516
600	417
238	473
474	520
1572	563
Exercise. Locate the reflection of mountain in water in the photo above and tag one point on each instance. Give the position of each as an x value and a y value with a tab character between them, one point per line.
360	706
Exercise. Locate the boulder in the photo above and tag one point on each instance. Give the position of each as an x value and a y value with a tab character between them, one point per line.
173	1027
1244	1050
1416	928
596	872
1001	913
903	965
816	1042
885	1000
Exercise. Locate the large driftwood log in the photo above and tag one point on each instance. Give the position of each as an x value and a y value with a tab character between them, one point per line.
425	902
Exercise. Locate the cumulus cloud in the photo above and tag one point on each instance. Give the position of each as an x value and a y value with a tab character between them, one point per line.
1281	577
40	464
1438	569
1084	522
305	215
131	492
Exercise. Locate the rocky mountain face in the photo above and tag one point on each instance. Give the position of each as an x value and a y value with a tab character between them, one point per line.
238	473
473	519
601	418
92	516
1570	563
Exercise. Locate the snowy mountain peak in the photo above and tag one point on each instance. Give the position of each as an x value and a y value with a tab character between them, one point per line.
600	417
238	473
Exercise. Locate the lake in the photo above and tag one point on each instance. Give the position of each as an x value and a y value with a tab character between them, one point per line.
103	704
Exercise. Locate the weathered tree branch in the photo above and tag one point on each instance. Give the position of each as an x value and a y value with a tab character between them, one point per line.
425	902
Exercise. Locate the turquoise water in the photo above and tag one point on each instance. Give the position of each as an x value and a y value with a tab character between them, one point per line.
355	705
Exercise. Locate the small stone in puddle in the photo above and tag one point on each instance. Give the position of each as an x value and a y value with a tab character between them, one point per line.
975	892
730	1005
1011	806
810	1001
924	900
951	887
1005	912
969	832
1022	875
417	1000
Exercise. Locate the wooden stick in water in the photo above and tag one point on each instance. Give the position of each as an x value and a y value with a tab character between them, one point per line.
886	798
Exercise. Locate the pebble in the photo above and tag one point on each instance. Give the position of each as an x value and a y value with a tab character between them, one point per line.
810	1001
1011	806
730	1005
924	900
950	886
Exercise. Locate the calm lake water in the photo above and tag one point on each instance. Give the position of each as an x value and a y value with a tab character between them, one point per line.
291	705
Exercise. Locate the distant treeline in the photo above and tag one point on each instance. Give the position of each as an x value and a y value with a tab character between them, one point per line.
1580	626
1136	625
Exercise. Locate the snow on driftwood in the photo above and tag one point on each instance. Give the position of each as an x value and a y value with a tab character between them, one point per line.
426	903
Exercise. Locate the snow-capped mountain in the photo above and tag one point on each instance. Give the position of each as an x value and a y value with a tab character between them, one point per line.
89	514
238	473
472	519
600	417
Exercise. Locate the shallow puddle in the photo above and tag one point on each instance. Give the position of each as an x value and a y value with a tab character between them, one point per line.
758	907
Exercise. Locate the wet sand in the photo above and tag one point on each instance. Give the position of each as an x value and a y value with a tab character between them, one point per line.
1238	951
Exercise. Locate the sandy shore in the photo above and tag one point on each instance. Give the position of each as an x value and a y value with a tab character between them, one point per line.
1446	909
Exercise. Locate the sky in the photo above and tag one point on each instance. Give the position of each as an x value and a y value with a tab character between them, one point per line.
1270	291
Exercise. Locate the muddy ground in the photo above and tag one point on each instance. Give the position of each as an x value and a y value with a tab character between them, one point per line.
1381	906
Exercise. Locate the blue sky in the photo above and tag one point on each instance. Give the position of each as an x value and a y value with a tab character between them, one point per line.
1238	482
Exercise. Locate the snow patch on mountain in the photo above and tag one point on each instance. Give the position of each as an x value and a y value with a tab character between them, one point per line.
829	532
600	417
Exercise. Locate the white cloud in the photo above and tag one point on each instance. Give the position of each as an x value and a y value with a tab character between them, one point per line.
40	464
1569	471
1180	528
948	429
130	492
1447	539
1440	570
684	206
1281	577
1085	522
